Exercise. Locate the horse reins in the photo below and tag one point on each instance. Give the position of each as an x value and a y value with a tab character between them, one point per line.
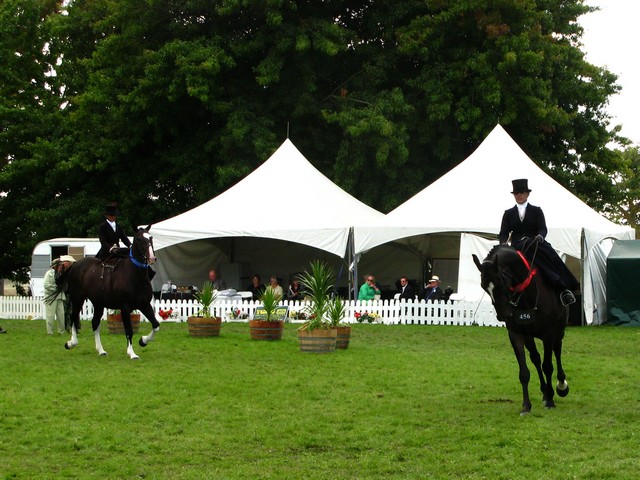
518	290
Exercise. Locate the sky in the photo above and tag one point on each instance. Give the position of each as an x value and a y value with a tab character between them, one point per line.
611	38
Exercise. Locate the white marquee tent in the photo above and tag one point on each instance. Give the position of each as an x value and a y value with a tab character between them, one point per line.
472	197
286	200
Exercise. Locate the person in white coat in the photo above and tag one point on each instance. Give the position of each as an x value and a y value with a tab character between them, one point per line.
55	304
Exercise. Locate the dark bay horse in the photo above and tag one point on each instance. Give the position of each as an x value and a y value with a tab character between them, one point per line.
117	283
531	309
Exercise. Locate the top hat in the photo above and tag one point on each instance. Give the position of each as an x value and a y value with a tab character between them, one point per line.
520	185
111	209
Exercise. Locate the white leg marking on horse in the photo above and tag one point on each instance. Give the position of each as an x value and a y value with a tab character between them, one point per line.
562	386
148	338
98	340
74	338
130	352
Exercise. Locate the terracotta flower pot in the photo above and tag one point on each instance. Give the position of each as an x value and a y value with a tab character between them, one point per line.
114	323
321	340
343	338
204	327
263	330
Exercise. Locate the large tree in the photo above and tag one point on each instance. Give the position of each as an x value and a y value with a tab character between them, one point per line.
29	114
161	105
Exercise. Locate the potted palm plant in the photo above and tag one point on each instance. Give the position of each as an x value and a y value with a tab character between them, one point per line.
269	327
337	312
204	324
316	334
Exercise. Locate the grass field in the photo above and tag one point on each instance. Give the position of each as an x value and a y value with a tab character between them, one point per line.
403	402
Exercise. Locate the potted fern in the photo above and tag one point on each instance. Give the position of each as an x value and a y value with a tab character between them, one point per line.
269	327
316	334
204	324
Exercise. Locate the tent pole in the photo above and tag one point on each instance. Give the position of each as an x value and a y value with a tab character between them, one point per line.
583	241
354	263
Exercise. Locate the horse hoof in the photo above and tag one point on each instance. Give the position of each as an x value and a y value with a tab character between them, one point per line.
524	413
141	343
564	392
66	345
134	357
102	354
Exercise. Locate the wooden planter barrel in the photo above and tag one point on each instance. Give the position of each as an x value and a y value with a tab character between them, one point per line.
114	323
343	337
263	330
204	327
320	340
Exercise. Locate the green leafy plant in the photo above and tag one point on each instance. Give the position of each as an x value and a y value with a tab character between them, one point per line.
206	297
336	312
318	283
270	301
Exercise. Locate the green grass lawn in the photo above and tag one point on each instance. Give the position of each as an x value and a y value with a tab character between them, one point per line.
404	401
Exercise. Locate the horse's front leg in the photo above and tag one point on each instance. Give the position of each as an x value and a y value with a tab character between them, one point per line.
150	315
517	342
95	324
534	355
547	368
562	387
130	352
128	331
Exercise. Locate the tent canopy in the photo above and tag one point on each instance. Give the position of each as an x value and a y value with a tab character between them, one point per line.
473	196
256	207
319	218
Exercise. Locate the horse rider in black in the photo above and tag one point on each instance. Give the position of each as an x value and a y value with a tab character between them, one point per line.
111	234
524	226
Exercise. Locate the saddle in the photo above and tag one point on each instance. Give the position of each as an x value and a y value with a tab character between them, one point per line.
110	264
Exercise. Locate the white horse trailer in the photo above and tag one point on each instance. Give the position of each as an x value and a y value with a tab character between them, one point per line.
45	252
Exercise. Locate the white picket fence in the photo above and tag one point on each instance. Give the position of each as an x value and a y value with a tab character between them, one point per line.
389	311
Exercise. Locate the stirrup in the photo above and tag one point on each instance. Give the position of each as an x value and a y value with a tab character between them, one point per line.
567	297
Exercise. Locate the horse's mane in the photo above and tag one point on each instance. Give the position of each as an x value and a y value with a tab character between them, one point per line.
503	253
496	248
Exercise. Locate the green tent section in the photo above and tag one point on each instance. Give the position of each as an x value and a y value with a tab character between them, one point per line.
623	283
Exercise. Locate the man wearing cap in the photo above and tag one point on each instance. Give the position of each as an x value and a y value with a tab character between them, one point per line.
54	301
110	233
432	290
523	224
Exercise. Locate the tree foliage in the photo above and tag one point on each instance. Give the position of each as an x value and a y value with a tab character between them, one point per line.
161	105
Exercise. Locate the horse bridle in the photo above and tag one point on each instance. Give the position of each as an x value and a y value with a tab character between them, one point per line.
145	255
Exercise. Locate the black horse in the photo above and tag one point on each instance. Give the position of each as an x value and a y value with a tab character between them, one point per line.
531	309
117	283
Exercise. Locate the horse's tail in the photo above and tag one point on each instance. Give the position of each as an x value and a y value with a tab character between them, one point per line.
61	285
53	295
